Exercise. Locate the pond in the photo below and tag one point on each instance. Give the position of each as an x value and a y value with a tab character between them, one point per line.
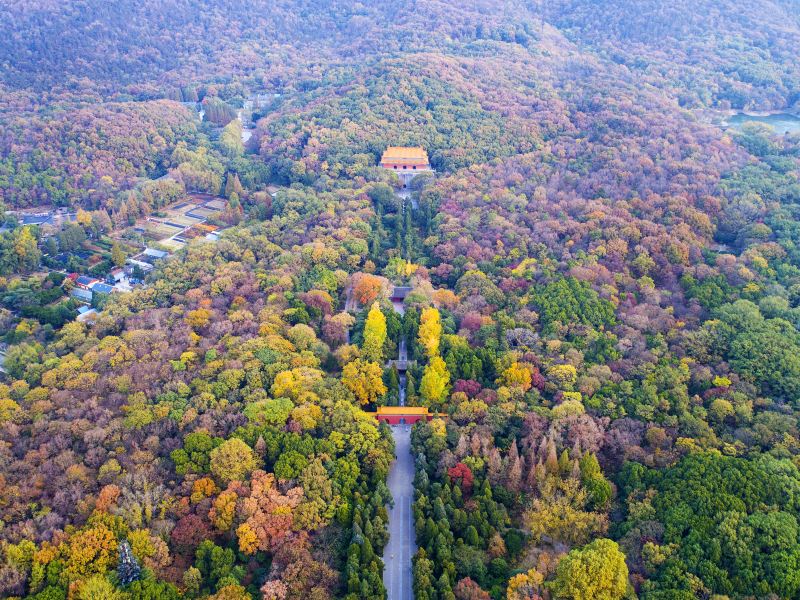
781	123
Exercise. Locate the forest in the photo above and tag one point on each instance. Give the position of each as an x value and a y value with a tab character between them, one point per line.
603	311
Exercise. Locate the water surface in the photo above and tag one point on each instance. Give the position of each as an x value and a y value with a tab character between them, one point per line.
781	123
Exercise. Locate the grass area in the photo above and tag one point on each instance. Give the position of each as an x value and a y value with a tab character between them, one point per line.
159	231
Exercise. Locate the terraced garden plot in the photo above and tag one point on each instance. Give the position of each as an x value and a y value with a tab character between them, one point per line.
215	204
159	231
202	212
181	219
172	244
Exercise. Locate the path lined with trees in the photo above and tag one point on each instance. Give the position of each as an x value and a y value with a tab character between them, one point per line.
397	573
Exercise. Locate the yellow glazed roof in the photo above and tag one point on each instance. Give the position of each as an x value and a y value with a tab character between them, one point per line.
406	152
402	410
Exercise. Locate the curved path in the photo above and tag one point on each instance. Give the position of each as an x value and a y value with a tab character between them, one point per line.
397	577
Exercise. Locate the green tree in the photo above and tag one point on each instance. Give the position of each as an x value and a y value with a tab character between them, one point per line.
20	357
273	412
216	565
423	576
595	483
97	587
71	237
149	588
729	524
117	255
569	300
194	457
764	351
230	140
26	250
289	465
595	572
232	461
233	186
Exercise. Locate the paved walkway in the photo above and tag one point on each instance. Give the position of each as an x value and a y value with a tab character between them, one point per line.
397	555
402	366
397	575
350	304
403	355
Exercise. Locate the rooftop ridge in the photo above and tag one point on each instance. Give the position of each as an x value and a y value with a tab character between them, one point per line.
407	152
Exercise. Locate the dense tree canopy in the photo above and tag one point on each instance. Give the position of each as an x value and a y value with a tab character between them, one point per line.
603	305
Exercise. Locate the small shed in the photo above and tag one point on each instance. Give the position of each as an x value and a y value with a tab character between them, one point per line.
81	294
102	288
85	282
41	219
156	254
144	266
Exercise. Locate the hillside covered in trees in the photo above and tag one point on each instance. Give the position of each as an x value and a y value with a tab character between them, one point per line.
604	304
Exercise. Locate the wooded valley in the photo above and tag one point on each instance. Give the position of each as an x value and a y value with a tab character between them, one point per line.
602	314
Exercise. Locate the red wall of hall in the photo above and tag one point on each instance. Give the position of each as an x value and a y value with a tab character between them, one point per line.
395	419
410	166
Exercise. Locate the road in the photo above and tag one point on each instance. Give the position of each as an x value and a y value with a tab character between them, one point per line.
403	356
402	545
350	304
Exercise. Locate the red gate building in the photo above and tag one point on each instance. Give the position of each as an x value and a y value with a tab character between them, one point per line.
402	415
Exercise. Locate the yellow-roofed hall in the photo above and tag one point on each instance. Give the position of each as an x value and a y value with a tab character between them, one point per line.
406	161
